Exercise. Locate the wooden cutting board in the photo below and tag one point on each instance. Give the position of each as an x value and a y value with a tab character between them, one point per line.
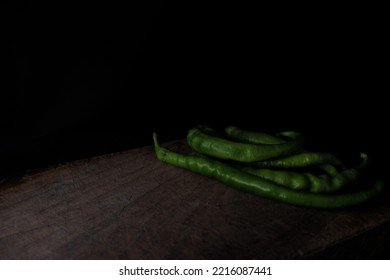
129	205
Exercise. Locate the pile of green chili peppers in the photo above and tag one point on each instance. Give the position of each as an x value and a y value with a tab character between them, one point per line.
272	166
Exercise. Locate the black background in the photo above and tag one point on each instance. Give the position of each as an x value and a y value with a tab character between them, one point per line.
82	80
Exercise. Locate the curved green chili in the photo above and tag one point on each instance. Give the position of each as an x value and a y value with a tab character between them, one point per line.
300	160
328	169
243	181
243	152
308	181
251	137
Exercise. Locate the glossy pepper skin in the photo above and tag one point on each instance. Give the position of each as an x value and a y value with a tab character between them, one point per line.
243	152
308	181
325	161
246	182
303	159
251	137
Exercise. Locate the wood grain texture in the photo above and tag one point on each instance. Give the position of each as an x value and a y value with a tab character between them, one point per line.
129	205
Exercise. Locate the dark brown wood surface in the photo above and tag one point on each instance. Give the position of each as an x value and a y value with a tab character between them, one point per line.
129	205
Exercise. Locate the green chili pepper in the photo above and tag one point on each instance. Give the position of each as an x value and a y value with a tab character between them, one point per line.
308	181
243	152
308	159
328	169
243	181
300	160
251	137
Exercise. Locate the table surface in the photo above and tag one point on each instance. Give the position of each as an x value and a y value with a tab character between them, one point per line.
129	205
